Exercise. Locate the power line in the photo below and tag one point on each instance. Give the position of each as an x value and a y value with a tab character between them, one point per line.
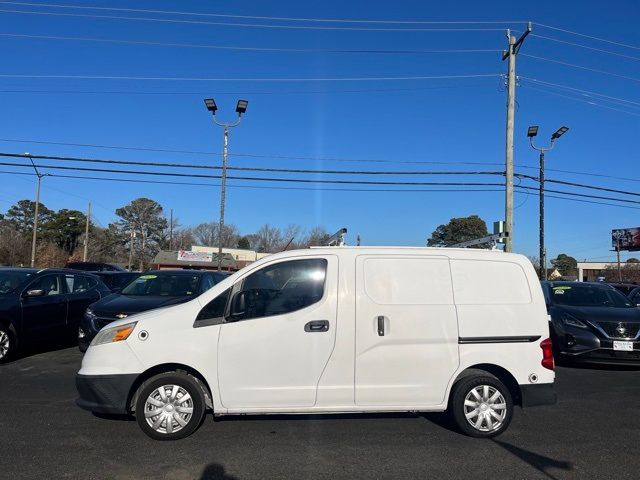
244	92
608	52
581	67
584	195
254	17
260	179
283	79
247	49
579	200
578	90
302	158
161	182
254	169
588	102
155	164
252	25
600	39
404	190
250	155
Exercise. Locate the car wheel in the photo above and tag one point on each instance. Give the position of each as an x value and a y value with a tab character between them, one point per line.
481	406
170	406
8	343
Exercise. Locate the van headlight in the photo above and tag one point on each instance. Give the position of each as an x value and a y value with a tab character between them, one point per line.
114	334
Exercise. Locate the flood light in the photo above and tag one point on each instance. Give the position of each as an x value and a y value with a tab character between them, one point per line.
533	131
242	106
211	105
561	131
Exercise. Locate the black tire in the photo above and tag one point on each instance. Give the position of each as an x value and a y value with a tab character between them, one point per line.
482	427
185	384
8	343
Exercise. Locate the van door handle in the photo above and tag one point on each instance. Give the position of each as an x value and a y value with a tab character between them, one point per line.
381	326
317	326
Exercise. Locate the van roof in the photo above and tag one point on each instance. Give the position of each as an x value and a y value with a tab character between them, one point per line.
387	247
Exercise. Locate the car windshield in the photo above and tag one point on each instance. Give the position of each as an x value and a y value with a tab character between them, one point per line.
576	295
9	281
163	284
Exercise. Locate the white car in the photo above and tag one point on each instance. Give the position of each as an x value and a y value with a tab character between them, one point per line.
335	329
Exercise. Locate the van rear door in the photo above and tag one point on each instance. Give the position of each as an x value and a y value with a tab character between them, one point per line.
406	330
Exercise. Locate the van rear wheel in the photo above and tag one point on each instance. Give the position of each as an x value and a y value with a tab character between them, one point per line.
170	406
481	406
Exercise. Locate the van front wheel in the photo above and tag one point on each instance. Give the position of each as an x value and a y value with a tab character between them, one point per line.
170	406
481	406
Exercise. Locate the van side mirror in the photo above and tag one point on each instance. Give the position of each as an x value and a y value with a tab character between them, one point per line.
35	293
238	306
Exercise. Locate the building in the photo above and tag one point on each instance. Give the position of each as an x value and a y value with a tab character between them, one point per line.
171	259
595	271
206	258
241	256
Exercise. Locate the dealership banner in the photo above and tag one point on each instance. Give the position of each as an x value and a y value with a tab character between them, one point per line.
190	256
626	239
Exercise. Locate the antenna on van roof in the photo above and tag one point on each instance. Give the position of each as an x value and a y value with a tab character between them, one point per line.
337	239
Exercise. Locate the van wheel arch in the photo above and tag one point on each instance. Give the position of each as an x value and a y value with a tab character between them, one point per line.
168	368
496	371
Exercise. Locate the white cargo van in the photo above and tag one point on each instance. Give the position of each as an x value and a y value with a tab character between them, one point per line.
336	329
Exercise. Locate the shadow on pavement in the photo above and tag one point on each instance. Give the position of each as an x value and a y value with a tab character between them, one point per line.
568	363
541	463
215	471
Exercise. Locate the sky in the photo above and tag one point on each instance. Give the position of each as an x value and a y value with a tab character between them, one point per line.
455	123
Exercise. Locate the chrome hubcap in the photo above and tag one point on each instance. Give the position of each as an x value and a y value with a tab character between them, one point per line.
168	409
485	408
4	344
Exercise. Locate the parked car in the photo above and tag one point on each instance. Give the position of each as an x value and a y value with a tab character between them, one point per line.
39	306
149	290
94	267
116	281
624	288
336	329
593	322
634	296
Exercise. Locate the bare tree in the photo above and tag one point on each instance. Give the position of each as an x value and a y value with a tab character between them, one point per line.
206	234
268	239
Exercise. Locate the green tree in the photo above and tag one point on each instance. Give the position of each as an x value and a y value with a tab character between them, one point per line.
21	215
64	229
633	260
243	242
459	230
144	217
565	264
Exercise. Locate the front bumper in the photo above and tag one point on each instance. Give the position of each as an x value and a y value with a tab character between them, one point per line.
536	395
584	346
105	393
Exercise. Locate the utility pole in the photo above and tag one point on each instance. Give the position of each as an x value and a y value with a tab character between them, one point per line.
617	235
35	217
133	236
171	231
86	234
241	108
514	48
531	133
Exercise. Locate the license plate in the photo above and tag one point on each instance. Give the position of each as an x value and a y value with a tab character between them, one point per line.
623	346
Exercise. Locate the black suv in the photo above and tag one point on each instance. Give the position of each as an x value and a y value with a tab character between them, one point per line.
39	306
153	289
593	323
94	267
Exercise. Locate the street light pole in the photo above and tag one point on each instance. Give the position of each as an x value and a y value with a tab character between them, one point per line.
531	133
241	108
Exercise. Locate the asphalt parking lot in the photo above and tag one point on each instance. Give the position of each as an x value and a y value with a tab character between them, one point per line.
593	432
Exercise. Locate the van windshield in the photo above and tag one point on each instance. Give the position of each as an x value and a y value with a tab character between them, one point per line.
576	295
9	281
162	284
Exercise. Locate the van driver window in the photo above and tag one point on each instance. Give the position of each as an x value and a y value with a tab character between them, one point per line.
284	287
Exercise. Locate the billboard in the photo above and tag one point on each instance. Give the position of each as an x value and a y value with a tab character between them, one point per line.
189	256
626	239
